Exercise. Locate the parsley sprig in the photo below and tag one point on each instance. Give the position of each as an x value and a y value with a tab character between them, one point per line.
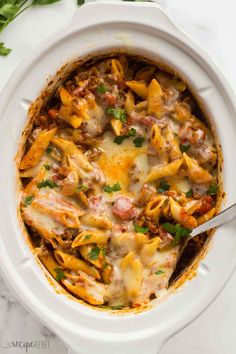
102	88
115	188
177	230
213	189
10	9
59	274
117	113
119	139
163	187
138	142
94	253
140	229
47	183
28	200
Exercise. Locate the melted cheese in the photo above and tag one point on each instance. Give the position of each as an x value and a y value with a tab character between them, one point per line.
116	161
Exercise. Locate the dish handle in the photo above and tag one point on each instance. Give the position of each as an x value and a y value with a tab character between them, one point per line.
139	347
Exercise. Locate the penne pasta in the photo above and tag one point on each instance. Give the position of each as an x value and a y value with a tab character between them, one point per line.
180	215
90	236
163	171
87	288
195	172
73	263
34	154
101	221
139	87
154	99
207	216
154	207
132	269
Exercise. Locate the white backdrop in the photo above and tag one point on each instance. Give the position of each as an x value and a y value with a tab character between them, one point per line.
213	24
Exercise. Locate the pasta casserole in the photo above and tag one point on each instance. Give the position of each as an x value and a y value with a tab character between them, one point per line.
118	167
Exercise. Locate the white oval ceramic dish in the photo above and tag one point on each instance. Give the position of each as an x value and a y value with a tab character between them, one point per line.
142	29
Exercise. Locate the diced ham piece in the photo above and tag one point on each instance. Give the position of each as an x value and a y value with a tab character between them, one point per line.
192	133
207	204
124	208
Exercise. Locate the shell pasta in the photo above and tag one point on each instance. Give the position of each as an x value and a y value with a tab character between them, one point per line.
118	166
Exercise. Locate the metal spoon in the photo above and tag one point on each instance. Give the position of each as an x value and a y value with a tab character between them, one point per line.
220	219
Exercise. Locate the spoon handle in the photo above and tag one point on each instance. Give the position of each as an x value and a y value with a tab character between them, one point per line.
220	219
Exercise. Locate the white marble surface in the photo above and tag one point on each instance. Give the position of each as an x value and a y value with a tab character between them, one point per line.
213	24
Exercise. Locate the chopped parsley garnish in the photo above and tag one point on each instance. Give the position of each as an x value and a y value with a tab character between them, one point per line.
3	50
213	189
117	113
184	147
105	265
102	88
159	272
163	187
177	230
109	189
82	188
104	251
169	228
94	253
47	183
189	193
87	237
49	150
119	139
59	274
117	307
138	142
28	200
140	229
47	167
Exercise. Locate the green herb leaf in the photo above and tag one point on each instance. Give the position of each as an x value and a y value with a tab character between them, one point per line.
8	11
177	230
109	189
213	189
104	251
28	200
43	2
138	142
94	253
3	50
102	88
189	193
87	237
49	150
117	113
132	132
80	2
47	167
117	307
105	265
169	228
180	232
140	229
83	188
184	147
163	187
159	272
59	274
119	139
47	183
